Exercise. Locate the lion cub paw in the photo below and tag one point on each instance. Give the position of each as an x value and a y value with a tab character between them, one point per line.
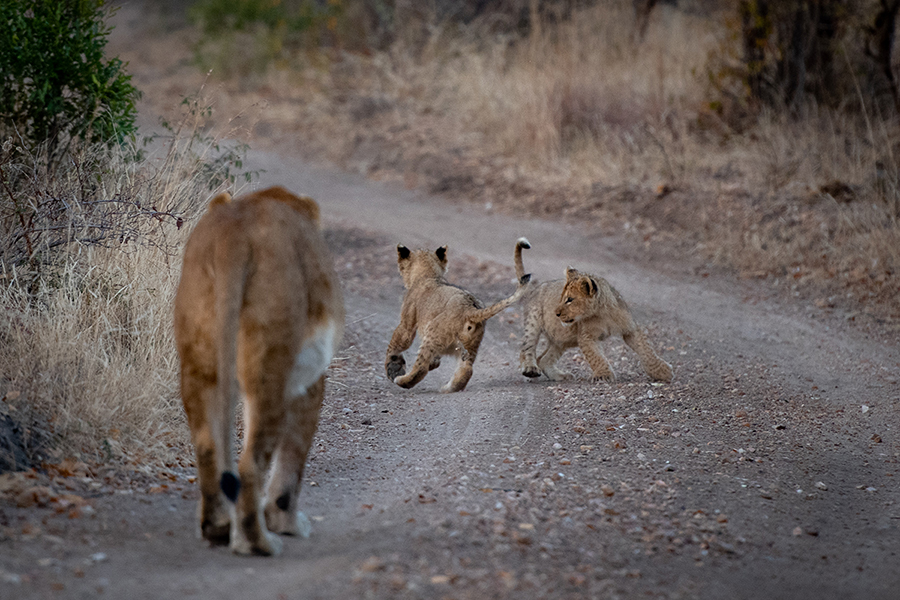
604	377
558	375
395	367
531	371
662	372
404	381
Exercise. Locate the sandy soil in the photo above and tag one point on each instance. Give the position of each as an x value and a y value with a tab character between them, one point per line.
767	469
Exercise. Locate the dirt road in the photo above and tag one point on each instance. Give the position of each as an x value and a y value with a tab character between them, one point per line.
767	469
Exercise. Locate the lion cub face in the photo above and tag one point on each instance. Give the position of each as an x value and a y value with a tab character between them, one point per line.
420	264
578	297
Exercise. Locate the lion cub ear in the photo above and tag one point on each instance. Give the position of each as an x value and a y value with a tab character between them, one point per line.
402	252
441	253
571	273
590	286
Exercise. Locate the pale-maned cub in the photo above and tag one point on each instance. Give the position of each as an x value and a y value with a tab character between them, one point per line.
581	310
450	319
258	307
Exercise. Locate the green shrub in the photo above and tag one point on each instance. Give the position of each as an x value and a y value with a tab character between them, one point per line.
243	37
56	86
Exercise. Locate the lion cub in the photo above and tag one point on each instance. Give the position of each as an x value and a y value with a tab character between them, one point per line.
581	311
258	305
450	319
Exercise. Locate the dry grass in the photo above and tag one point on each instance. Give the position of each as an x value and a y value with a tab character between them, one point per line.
579	120
91	352
87	354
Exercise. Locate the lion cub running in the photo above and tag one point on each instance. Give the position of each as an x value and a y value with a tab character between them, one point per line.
258	304
450	319
581	311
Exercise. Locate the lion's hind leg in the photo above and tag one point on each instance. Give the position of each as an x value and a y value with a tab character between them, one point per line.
215	513
264	378
401	340
429	352
654	366
286	476
249	534
466	361
530	339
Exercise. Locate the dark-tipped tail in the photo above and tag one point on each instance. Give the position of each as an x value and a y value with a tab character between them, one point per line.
230	485
523	279
517	256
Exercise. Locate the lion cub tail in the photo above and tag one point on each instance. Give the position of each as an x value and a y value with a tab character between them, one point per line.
520	268
483	314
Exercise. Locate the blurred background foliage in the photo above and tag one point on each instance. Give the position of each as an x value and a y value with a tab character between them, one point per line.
58	88
782	54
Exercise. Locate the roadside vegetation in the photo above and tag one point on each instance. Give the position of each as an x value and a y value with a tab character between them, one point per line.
92	217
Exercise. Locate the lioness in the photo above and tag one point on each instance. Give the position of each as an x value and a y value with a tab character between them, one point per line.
259	305
580	311
450	319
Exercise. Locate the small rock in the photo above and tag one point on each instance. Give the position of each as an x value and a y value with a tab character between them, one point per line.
372	564
821	485
10	578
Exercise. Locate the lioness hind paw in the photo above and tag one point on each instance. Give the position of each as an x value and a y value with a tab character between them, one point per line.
216	534
304	527
288	523
268	544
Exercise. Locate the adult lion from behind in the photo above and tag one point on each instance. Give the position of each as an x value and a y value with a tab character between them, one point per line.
258	307
581	310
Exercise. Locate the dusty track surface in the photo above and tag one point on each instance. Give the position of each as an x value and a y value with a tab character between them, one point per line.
767	469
